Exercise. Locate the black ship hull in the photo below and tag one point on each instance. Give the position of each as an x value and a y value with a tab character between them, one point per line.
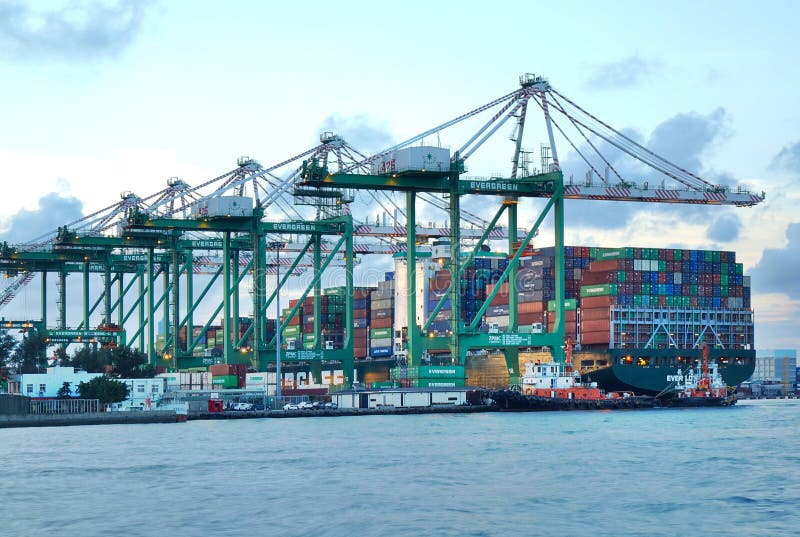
514	401
655	371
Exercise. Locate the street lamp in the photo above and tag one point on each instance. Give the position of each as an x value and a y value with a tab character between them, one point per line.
277	246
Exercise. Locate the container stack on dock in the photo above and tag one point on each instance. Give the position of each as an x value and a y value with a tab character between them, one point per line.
570	317
361	327
382	319
428	376
292	332
228	376
438	286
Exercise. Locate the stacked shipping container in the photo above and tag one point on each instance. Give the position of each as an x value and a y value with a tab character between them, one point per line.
382	319
645	278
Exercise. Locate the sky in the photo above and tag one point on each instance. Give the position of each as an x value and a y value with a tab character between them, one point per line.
102	97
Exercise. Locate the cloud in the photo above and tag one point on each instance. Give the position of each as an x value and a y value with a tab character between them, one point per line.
362	131
83	29
725	228
53	211
682	139
787	159
777	269
622	74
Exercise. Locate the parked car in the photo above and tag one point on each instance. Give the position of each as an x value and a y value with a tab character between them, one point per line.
330	405
242	406
291	406
306	405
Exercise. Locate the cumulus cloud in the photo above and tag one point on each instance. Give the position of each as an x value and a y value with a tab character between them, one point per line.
623	73
788	159
682	139
53	211
83	29
777	269
362	131
725	228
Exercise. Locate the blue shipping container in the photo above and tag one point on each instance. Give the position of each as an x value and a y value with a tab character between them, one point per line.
380	351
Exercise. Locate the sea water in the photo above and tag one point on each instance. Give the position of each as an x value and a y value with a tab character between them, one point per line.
705	472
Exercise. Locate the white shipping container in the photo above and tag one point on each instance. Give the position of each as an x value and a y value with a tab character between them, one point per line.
456	397
223	206
417	399
256	380
500	320
423	158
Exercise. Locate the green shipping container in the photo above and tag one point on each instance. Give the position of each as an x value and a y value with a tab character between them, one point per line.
662	266
292	331
380	333
336	291
225	381
569	304
677	255
611	253
308	337
739	268
598	290
441	372
621	276
441	383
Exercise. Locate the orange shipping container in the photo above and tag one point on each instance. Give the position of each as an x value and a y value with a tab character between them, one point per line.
600	325
595	314
594	338
598	301
530	307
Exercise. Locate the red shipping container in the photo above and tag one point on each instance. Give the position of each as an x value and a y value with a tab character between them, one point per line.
223	370
499	300
592	278
382	323
606	265
529	318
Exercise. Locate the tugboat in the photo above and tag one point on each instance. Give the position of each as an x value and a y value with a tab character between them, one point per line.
555	386
706	389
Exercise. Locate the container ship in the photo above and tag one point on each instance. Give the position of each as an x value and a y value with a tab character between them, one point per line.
639	317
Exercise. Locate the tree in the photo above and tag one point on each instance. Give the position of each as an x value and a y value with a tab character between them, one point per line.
61	357
64	392
130	364
90	360
105	389
29	355
8	344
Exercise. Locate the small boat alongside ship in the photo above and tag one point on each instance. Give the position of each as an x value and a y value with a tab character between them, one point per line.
555	386
703	388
